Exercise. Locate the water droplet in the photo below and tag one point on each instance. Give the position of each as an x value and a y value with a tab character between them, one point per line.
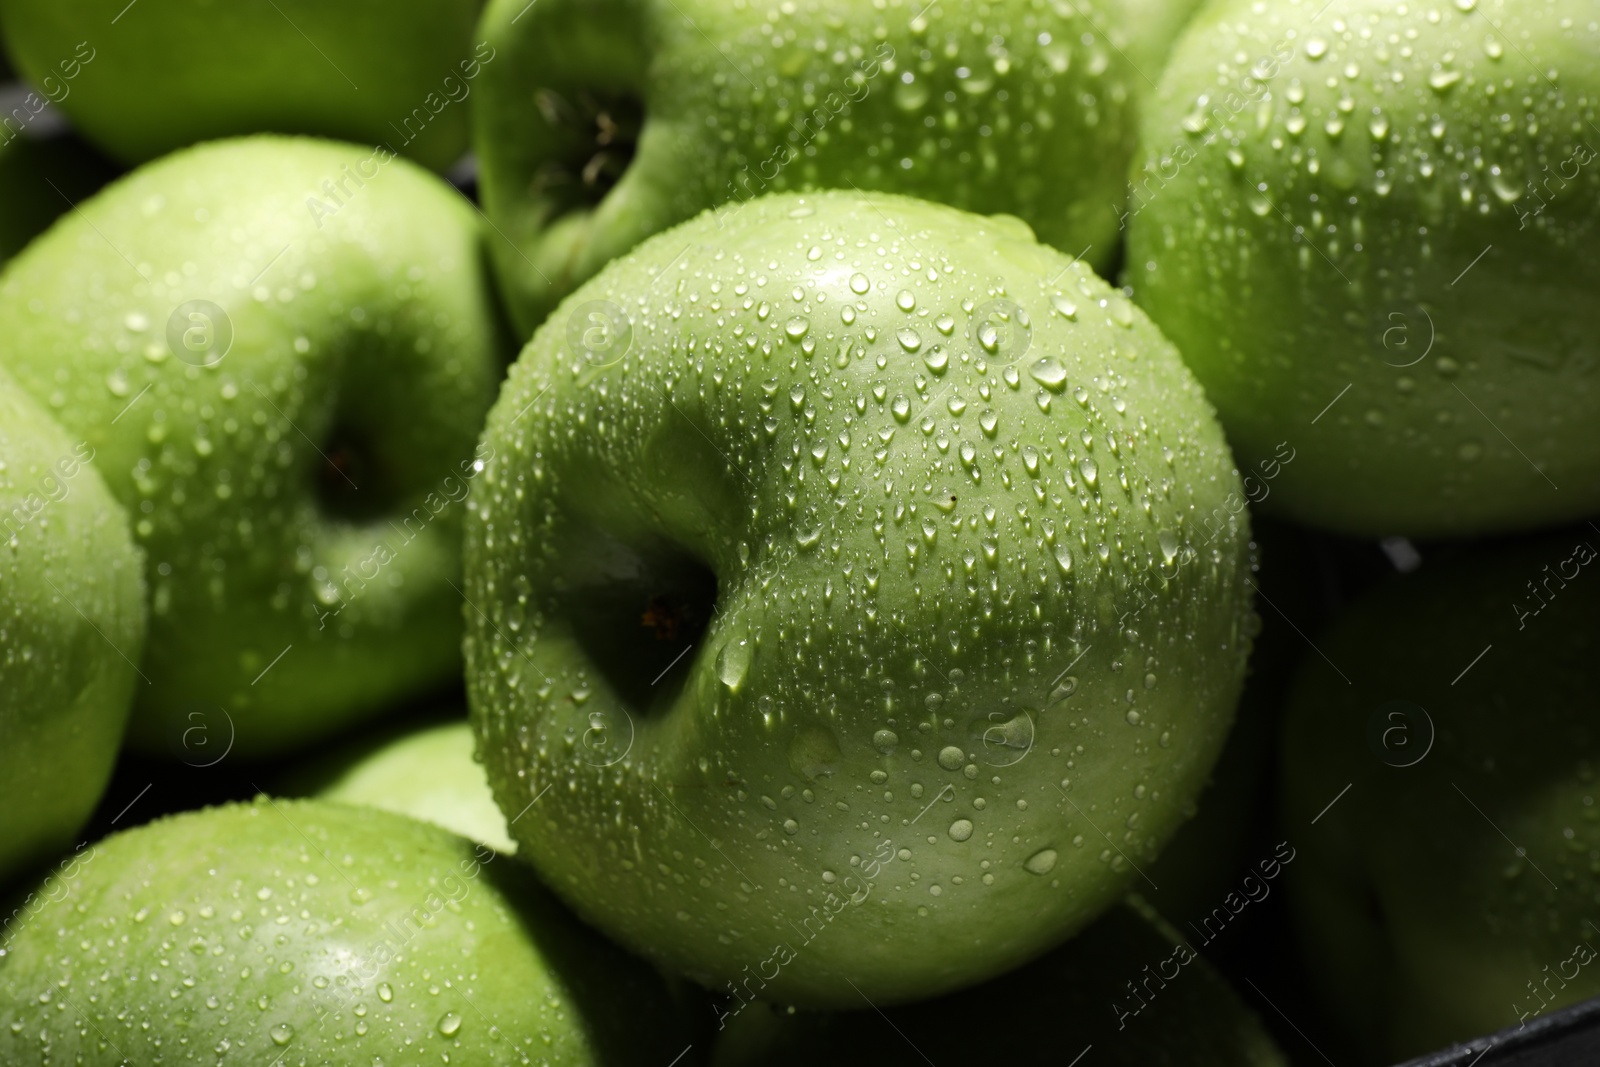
905	301
951	757
282	1034
449	1024
1316	48
385	992
1041	862
859	284
1441	80
909	339
796	327
1169	544
733	663
1049	373
961	829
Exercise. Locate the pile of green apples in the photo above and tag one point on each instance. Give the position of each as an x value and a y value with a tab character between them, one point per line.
1016	531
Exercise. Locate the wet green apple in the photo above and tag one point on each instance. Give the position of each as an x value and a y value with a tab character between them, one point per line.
1450	891
606	122
1152	27
856	592
1130	988
140	80
286	931
72	625
1369	228
1235	818
280	351
425	772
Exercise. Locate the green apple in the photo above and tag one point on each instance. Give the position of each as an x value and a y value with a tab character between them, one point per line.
40	180
280	350
606	121
286	931
1369	228
1234	818
1449	890
860	584
427	773
140	80
1129	987
72	624
1153	27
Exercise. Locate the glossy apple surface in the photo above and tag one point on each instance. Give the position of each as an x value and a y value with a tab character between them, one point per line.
286	931
1370	229
606	122
140	80
72	625
852	548
283	386
1074	1000
1450	891
426	772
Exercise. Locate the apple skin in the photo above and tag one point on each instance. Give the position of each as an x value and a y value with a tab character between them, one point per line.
1425	924
1014	106
1153	27
1472	393
1236	817
925	656
426	773
371	337
72	624
1043	1013
176	73
321	933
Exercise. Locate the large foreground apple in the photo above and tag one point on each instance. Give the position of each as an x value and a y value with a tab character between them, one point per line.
605	122
280	351
141	79
857	595
1450	888
301	932
1370	230
72	624
1130	990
